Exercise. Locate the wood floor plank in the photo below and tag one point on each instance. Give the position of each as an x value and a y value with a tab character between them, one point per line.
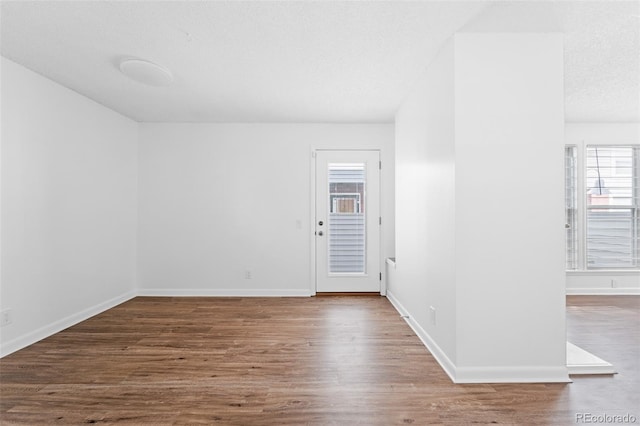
320	361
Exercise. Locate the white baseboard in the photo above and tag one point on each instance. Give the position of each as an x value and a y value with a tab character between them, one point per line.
527	374
46	331
427	341
603	291
201	292
531	374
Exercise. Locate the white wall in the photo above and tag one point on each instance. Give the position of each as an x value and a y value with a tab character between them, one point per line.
509	205
425	204
485	249
602	282
69	190
218	199
602	133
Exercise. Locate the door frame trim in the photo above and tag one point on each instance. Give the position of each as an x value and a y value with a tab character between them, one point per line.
313	285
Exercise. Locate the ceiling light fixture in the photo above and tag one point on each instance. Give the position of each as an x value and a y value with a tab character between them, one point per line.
146	72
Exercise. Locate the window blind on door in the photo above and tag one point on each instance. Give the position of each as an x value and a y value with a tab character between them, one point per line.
347	245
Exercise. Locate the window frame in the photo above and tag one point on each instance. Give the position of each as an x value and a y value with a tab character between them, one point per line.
582	207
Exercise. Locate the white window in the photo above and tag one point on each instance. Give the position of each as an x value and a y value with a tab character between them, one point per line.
605	233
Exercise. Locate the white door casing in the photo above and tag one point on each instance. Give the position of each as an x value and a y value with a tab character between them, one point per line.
347	221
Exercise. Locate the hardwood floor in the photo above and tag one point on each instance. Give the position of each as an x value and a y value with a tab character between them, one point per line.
323	360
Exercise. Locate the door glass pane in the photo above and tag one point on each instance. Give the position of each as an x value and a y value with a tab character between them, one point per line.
347	248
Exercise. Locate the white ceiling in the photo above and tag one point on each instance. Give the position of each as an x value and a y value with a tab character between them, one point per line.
322	61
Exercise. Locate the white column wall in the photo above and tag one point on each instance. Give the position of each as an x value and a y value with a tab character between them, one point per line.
480	208
510	206
425	207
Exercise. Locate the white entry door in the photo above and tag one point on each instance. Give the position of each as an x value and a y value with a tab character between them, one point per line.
347	221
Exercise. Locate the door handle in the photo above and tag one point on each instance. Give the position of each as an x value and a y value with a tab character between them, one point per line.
320	233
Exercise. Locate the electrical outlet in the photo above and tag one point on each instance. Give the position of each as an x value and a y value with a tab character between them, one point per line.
5	317
432	315
248	274
614	283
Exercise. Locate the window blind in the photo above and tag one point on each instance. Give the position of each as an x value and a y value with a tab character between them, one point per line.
612	222
347	218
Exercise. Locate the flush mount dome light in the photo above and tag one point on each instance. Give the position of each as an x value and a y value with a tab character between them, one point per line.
146	72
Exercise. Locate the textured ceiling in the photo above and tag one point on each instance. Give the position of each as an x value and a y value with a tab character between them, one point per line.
323	61
602	62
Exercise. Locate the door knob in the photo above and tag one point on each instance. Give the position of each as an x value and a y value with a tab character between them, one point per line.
320	233
321	223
